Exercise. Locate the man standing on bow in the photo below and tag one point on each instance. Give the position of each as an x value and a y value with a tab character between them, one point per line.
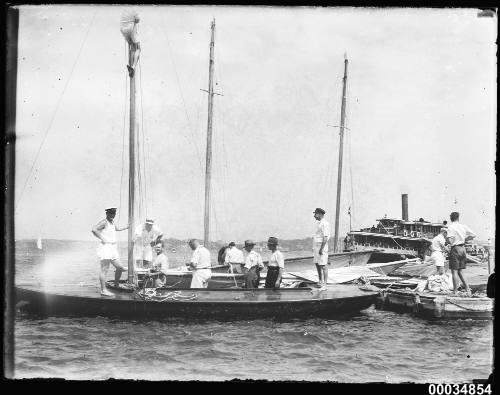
234	258
320	246
275	265
107	250
145	237
458	235
253	265
200	264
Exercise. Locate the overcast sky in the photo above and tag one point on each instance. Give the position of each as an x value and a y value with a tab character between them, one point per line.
421	115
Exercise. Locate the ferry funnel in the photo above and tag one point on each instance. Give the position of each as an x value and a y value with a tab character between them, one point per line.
404	201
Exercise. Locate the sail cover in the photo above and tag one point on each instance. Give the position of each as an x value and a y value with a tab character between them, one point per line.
128	26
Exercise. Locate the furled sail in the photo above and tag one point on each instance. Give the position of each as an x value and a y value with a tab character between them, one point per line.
128	26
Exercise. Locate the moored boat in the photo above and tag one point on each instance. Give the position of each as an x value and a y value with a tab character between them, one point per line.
197	303
437	305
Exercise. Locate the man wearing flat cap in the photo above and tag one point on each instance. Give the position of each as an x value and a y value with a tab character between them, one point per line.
275	266
146	236
253	265
107	250
320	246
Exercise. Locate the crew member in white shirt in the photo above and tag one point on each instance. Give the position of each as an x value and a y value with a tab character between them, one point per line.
457	236
438	248
275	265
200	264
320	246
253	265
107	250
234	257
145	237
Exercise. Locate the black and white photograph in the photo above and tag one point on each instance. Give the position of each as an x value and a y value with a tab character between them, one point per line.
270	193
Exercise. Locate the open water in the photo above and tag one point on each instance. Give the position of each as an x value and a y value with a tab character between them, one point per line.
374	346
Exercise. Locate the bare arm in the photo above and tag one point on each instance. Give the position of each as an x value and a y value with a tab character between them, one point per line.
96	230
323	243
278	279
122	228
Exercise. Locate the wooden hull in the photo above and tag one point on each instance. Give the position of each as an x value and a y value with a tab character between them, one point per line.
198	303
432	305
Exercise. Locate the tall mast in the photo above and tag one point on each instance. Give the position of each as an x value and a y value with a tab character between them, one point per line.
341	150
128	29
131	179
208	171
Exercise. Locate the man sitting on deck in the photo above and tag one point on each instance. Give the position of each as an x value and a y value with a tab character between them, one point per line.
253	265
234	258
200	264
275	266
161	263
458	235
107	251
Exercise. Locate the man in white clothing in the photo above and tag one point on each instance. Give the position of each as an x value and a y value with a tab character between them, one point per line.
253	265
107	250
320	246
458	235
145	237
200	264
234	257
438	248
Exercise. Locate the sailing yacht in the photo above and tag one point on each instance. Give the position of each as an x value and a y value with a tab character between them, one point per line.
190	302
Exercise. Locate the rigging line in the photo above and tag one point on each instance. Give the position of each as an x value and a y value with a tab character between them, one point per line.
182	99
123	132
145	164
57	108
139	181
350	168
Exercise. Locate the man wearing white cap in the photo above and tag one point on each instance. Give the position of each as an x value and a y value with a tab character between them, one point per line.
146	236
107	250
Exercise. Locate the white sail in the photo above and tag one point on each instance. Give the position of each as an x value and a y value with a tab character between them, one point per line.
39	243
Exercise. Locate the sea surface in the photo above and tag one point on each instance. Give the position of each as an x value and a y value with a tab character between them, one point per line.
373	346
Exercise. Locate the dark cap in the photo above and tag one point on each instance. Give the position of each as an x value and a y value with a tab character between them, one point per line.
249	243
319	210
232	244
272	240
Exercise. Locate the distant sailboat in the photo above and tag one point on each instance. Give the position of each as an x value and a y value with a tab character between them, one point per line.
39	243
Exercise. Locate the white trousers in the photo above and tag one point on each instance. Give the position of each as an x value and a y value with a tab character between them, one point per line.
200	278
438	258
318	259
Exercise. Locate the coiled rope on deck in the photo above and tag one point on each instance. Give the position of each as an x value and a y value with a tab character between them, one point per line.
150	294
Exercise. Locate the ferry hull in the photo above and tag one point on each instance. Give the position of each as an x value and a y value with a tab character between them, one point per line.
210	304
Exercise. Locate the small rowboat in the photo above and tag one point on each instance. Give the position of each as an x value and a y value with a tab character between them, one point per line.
436	305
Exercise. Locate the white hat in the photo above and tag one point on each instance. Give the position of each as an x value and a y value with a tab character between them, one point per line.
150	221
